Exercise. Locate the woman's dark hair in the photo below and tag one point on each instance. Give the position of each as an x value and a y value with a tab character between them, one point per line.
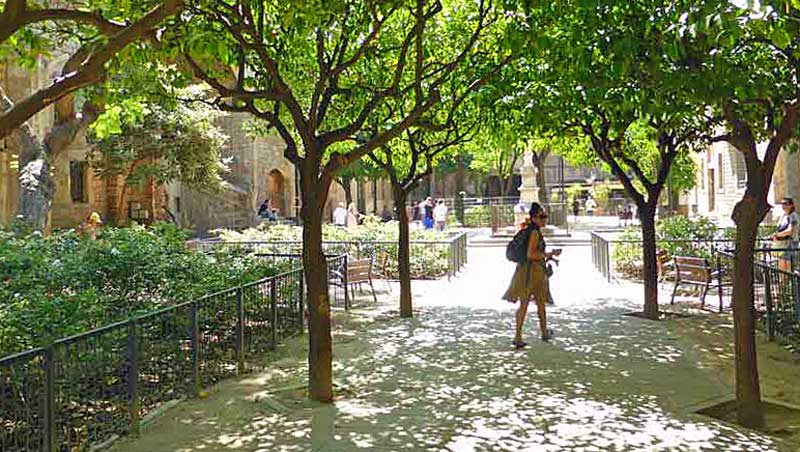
536	209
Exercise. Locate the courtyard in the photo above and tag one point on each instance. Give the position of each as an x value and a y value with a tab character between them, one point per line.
449	380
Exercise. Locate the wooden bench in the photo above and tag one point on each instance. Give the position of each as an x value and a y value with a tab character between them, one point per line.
664	263
358	272
693	271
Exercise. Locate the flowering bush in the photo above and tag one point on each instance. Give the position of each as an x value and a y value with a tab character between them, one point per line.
65	284
372	239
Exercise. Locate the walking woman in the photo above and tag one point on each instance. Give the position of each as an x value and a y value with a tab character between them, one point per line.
530	277
787	235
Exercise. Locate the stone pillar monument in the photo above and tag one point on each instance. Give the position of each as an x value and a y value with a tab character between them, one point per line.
528	191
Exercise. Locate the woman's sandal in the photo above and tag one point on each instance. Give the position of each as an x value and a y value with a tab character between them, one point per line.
519	344
548	335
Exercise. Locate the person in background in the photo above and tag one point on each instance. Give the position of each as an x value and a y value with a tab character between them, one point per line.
576	208
427	208
273	209
386	216
590	205
90	226
786	236
353	217
440	215
340	215
266	211
520	214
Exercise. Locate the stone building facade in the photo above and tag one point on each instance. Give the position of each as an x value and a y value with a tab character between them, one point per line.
722	178
257	171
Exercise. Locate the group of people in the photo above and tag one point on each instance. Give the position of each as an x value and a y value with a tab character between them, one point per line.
429	215
268	211
348	218
589	206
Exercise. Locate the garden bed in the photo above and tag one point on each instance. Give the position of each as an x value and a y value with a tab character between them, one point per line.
429	249
780	419
66	284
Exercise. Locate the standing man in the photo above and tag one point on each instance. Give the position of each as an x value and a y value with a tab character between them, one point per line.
576	208
340	215
440	215
427	220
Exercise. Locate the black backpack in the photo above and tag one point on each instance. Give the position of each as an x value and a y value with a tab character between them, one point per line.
517	248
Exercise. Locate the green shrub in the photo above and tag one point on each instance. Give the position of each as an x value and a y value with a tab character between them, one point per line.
427	261
678	235
65	284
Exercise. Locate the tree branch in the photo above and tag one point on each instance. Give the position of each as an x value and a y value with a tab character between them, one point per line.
89	71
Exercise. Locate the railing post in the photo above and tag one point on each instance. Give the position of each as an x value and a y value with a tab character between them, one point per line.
194	333
301	299
273	313
767	274
346	285
719	280
133	378
608	260
49	417
240	331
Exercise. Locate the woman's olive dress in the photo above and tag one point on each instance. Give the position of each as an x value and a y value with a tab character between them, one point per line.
530	277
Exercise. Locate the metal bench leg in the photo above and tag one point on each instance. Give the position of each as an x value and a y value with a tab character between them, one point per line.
674	290
703	296
374	297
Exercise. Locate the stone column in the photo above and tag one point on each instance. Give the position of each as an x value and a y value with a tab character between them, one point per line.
528	190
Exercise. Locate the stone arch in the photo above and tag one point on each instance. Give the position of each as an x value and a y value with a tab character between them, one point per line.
276	190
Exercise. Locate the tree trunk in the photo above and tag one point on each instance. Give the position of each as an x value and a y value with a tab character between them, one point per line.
460	186
320	344
508	186
647	215
35	183
541	181
403	252
345	183
747	215
35	158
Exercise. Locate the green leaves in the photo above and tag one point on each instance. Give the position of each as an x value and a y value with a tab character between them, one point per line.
780	37
167	142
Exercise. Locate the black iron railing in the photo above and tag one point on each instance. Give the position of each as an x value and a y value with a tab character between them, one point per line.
605	247
776	296
452	252
86	390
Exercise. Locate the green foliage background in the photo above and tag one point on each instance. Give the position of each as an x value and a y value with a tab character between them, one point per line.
428	260
51	287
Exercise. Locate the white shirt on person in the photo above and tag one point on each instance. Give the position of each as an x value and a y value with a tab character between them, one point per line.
440	212
340	216
792	221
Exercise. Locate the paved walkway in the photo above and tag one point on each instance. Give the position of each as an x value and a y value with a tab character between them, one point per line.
448	380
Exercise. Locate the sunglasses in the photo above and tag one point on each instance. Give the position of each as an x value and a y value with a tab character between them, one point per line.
542	216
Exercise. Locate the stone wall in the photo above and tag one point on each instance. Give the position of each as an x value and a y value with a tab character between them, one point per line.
728	185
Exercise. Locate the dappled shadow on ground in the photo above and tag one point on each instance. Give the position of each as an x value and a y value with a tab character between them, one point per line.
449	380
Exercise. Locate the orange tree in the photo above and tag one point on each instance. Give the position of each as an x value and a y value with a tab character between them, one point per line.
317	73
592	71
747	62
